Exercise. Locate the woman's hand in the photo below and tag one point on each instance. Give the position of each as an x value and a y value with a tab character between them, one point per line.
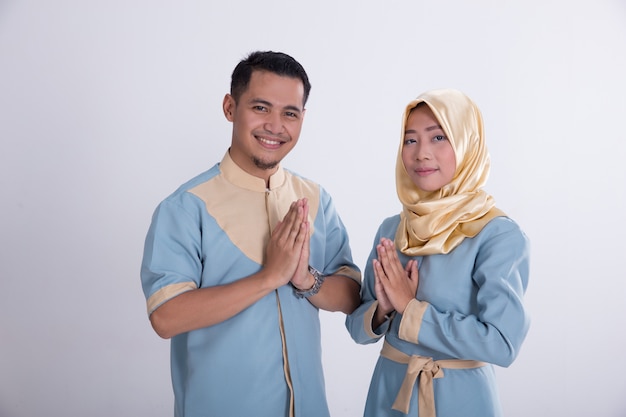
395	285
384	304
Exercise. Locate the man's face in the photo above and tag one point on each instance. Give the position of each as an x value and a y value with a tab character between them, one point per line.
267	120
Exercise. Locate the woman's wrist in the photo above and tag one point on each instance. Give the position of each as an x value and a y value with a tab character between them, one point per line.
382	315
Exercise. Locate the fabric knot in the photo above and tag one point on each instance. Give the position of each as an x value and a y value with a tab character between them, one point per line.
426	369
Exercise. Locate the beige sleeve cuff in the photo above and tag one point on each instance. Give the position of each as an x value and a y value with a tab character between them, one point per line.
167	293
350	273
368	317
412	320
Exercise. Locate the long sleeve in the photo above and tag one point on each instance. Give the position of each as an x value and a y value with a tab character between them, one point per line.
359	323
493	325
469	303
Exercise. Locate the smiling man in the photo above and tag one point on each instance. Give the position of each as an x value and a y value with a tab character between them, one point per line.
239	260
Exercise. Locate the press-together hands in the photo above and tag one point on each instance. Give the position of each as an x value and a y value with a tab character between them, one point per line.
287	253
286	260
395	285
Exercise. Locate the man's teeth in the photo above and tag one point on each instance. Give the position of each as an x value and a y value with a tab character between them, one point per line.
269	142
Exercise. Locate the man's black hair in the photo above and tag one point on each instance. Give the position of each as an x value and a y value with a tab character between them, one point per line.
275	62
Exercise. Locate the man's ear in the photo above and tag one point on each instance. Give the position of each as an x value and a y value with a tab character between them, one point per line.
228	106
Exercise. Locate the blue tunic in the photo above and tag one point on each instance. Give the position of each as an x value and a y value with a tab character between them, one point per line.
469	306
266	360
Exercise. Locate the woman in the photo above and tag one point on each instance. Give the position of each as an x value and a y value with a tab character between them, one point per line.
445	281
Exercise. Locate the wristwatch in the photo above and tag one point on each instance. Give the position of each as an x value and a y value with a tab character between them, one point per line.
319	279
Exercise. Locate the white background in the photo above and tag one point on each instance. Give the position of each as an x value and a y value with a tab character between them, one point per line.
107	106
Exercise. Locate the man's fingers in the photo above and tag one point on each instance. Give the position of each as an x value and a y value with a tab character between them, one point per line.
288	229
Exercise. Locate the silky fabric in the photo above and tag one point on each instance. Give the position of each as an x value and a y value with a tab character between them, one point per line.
435	222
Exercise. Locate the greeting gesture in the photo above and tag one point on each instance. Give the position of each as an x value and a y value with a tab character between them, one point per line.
302	279
394	284
284	252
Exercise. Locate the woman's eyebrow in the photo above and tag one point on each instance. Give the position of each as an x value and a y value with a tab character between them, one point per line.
434	127
428	129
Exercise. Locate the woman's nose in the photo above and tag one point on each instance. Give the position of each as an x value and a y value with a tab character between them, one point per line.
423	152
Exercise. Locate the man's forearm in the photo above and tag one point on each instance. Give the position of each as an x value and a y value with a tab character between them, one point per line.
338	293
205	307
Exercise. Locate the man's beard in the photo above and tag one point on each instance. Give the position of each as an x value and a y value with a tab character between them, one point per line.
264	165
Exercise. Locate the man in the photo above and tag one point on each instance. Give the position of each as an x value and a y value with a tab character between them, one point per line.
238	261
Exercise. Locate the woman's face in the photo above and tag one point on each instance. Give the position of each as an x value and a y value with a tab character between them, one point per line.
427	153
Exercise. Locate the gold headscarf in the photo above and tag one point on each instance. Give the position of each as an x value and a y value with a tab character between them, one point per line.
435	222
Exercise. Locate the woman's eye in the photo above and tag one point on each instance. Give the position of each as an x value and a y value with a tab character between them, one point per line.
440	138
409	141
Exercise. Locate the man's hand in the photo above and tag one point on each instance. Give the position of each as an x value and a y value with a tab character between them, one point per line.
302	279
284	252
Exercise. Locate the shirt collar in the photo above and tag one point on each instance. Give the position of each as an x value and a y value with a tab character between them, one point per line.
237	176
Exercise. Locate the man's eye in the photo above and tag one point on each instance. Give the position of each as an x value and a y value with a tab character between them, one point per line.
259	108
291	114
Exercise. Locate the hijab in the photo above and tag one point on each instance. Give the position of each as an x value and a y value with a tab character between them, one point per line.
436	222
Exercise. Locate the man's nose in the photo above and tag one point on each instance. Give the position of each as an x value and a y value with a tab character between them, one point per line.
274	123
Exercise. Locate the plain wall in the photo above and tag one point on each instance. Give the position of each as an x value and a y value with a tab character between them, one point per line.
107	106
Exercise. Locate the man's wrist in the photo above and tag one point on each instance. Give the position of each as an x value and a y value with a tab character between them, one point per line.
318	279
306	287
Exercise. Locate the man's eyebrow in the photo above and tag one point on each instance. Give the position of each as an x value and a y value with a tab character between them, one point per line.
270	105
260	101
293	108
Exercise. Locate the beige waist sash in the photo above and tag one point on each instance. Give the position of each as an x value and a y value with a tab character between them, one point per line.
429	369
